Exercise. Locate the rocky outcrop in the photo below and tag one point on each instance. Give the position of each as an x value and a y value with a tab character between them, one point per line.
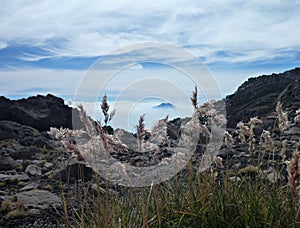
258	96
39	112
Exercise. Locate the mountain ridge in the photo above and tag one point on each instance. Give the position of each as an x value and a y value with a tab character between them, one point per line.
255	97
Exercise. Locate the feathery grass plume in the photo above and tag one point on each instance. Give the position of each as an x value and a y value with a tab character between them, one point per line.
102	135
86	120
220	120
297	117
208	111
159	133
218	162
283	150
105	108
251	145
283	123
241	136
75	150
111	115
248	131
228	140
140	131
255	120
245	130
115	141
294	172
64	133
194	98
204	129
266	141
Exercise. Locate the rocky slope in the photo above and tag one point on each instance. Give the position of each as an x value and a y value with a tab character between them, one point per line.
34	168
258	96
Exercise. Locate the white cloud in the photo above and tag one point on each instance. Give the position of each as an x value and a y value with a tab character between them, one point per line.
3	45
94	28
28	82
31	57
135	67
128	112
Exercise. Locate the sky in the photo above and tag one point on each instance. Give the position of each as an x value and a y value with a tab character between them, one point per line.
53	46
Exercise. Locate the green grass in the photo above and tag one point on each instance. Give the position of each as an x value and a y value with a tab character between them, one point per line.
195	201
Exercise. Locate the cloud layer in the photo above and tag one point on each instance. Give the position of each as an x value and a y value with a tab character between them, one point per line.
218	31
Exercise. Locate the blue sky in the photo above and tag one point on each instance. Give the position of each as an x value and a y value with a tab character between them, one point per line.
49	46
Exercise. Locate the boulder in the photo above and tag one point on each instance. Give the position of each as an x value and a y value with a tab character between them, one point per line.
39	199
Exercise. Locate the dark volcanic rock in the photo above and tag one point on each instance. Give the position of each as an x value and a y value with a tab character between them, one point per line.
13	130
8	163
38	199
75	171
258	96
40	112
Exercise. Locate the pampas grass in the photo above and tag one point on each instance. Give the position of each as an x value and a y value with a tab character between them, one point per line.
244	130
228	140
266	141
194	98
90	127
140	131
105	108
216	197
294	173
283	123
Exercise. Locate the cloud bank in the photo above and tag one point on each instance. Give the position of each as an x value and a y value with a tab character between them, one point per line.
218	31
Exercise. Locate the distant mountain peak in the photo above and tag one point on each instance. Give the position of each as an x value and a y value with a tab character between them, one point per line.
164	105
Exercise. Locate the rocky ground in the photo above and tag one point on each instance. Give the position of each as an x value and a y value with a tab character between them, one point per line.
35	170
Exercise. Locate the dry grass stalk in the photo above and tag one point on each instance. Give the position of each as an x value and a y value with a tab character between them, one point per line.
266	141
282	117
204	129
245	130
111	115
297	117
67	137
218	162
115	141
64	133
254	120
283	150
208	111
102	135
228	140
220	120
74	148
294	172
140	131
86	120
105	108
159	133
251	145
241	136
194	98
248	131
